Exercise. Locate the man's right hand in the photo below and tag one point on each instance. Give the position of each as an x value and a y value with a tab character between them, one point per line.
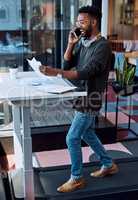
73	39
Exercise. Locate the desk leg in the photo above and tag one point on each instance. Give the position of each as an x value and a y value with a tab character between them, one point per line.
6	113
17	137
27	153
130	112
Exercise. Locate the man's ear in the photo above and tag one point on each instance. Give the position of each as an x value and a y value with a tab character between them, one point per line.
94	22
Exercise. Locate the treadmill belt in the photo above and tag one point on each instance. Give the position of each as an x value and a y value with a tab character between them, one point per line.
46	181
125	180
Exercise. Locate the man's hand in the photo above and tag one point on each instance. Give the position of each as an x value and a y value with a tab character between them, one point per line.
73	39
49	71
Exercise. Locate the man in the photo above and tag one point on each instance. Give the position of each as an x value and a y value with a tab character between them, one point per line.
91	55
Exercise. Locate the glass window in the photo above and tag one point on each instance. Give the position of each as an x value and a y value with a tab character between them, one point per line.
84	3
123	21
35	28
2	13
40	30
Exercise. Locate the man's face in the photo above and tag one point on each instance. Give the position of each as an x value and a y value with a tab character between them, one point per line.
84	23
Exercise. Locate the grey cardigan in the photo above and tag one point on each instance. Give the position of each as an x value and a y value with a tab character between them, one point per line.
92	64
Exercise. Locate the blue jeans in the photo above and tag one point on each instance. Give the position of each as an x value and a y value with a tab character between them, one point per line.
81	128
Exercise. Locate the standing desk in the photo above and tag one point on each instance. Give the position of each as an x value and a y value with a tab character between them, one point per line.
21	96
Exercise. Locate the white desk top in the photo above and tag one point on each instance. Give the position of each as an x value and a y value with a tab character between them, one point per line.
132	61
13	91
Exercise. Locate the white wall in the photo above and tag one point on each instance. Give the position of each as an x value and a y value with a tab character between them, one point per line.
104	22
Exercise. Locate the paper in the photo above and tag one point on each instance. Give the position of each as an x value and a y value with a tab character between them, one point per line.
46	85
56	89
53	84
42	81
44	78
35	65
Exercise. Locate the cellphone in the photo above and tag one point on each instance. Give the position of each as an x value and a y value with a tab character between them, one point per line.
77	31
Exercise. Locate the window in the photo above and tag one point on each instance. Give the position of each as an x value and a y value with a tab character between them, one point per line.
22	14
84	3
37	28
2	13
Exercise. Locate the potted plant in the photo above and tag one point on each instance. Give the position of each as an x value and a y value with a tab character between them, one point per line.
124	83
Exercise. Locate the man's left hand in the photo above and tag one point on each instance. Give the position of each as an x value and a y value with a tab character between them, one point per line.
49	71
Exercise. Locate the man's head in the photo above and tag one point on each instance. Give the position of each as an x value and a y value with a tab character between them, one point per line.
88	20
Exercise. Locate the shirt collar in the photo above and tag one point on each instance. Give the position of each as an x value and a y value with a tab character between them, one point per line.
87	43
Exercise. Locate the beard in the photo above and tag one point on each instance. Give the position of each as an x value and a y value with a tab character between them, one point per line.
87	33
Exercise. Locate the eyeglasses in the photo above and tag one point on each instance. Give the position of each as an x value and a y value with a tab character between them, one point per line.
82	22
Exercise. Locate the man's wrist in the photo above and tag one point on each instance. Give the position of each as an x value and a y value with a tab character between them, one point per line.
60	72
70	45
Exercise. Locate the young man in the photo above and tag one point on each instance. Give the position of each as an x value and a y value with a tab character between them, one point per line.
90	54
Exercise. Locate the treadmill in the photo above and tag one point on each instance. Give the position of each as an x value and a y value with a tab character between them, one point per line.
124	184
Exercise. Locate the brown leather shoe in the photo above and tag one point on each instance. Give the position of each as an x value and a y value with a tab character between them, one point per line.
72	185
105	171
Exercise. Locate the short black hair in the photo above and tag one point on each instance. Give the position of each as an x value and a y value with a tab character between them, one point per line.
93	11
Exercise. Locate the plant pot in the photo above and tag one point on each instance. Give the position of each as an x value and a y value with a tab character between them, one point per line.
123	91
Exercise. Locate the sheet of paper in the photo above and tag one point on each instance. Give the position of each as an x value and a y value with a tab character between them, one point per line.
35	66
53	84
42	81
31	81
47	85
49	79
55	89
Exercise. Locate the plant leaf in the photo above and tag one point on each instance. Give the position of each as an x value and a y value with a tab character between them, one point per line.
130	76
